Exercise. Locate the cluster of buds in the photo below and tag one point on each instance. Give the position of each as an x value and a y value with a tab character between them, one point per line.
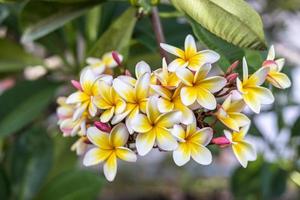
168	109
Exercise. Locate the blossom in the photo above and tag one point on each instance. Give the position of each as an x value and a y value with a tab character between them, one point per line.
189	57
229	114
192	142
169	101
275	76
80	145
242	149
64	110
167	79
199	88
154	128
253	94
98	66
109	101
108	148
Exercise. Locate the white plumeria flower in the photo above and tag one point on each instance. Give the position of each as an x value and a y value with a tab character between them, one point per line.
192	142
170	101
80	145
189	57
64	110
242	149
253	94
167	79
154	128
108	148
198	88
275	76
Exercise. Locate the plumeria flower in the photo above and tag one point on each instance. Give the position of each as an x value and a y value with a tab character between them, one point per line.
80	145
167	79
275	76
189	57
192	142
134	96
85	97
242	149
109	101
154	128
230	114
99	66
108	148
170	100
199	88
253	94
64	110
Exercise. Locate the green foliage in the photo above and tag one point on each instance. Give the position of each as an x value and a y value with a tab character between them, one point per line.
295	131
72	185
117	36
24	103
14	58
234	20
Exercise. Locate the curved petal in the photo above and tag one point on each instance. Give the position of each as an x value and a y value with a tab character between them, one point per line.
126	154
140	123
182	154
162	91
213	84
202	73
118	135
92	109
164	105
165	140
142	86
245	69
244	152
271	53
120	106
202	58
202	136
87	79
263	94
178	132
190	46
176	64
252	101
173	50
188	95
229	122
77	97
152	109
280	63
110	167
145	142
258	77
95	156
98	138
124	90
187	115
168	120
228	135
240	119
186	76
107	115
279	80
201	154
141	68
206	99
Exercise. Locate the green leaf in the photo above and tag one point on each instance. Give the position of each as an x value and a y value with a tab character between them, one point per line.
30	162
229	53
233	20
72	185
295	130
4	184
41	18
14	58
24	103
117	36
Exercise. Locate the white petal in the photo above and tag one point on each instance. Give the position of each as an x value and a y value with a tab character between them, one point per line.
95	156
190	44
245	69
126	154
118	135
171	49
141	68
145	142
165	140
110	167
201	154
271	53
182	154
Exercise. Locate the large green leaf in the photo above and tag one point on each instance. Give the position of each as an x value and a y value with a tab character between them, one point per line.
4	184
14	58
30	161
23	103
72	185
41	18
117	36
232	20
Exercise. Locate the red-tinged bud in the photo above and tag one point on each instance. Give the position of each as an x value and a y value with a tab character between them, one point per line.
232	67
232	77
221	141
128	73
116	57
76	85
102	126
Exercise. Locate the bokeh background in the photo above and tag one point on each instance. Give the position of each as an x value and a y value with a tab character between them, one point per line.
36	161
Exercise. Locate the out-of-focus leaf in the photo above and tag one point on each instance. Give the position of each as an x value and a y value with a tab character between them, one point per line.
41	18
117	36
263	181
295	131
4	12
233	20
30	161
14	58
23	103
72	185
4	184
228	51
93	19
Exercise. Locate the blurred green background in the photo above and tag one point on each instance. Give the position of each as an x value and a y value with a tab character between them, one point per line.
43	45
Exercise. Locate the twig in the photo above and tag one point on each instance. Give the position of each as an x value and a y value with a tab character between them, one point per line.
160	38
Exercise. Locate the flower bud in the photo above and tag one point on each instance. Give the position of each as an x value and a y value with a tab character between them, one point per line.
102	126
116	57
128	73
76	85
221	141
232	67
232	77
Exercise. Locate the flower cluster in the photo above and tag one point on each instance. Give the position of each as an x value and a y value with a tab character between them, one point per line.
174	108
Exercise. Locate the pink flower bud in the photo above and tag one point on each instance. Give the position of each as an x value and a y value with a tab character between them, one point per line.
232	67
232	77
76	85
102	126
128	73
116	57
221	141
